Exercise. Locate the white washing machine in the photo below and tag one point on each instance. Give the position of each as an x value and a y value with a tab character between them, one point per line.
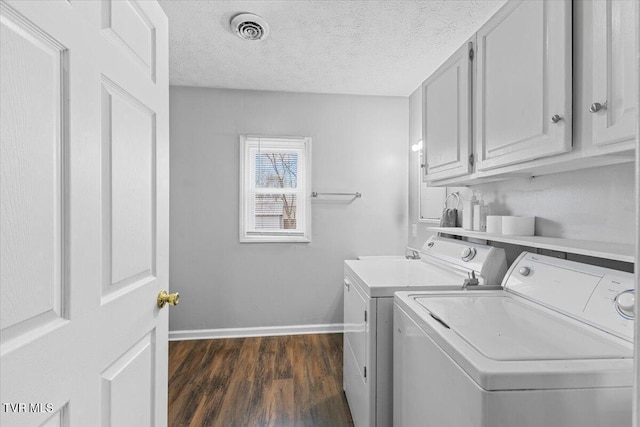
554	348
369	285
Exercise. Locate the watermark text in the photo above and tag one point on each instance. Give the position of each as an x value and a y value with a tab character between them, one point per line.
18	407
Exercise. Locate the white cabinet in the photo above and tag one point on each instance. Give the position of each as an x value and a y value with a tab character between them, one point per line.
615	74
536	75
446	125
523	85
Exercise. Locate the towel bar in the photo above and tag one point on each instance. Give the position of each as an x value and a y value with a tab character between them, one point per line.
316	194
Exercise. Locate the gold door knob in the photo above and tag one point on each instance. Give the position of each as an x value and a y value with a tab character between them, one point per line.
165	298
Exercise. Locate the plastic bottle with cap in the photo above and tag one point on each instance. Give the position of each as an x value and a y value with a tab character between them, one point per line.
467	212
480	212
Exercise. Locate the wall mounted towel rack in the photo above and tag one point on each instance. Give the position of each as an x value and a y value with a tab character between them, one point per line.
316	194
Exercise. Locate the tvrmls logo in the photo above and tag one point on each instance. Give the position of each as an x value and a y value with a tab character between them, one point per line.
27	407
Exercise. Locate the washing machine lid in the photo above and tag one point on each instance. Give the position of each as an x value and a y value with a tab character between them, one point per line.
506	328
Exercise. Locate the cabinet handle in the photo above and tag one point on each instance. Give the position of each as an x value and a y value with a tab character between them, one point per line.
555	118
596	106
347	284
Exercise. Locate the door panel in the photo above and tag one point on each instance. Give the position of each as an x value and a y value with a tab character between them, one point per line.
356	335
125	387
523	80
58	419
503	78
358	346
446	117
31	200
129	27
129	183
615	71
84	213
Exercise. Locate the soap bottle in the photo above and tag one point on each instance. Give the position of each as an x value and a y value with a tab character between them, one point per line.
480	212
467	214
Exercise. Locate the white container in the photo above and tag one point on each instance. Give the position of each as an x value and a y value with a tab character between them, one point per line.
494	224
467	212
518	225
480	217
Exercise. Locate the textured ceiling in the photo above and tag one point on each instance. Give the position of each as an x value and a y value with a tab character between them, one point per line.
341	46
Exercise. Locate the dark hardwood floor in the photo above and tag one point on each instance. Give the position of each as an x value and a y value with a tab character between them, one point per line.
250	382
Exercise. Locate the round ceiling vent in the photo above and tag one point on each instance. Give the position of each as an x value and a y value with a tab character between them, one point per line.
250	27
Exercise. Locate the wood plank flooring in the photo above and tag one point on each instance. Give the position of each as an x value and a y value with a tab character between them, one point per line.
253	382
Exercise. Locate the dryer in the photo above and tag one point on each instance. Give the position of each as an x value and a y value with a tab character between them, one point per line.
369	285
554	348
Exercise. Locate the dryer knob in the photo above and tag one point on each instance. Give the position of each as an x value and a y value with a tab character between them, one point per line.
625	303
525	271
468	253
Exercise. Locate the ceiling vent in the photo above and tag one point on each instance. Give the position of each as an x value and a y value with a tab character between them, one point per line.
248	26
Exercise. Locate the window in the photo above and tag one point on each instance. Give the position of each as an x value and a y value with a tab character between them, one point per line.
275	182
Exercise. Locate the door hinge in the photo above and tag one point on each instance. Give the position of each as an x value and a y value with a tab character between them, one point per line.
471	159
471	54
365	372
365	316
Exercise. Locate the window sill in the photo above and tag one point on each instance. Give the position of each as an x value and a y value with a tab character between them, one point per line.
275	239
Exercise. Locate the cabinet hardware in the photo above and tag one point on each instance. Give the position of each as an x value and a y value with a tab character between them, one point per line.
596	106
471	54
365	316
365	372
471	159
555	118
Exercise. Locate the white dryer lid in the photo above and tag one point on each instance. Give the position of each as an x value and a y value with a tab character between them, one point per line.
404	273
505	328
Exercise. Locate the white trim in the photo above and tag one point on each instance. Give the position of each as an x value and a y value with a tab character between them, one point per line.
282	238
260	331
301	145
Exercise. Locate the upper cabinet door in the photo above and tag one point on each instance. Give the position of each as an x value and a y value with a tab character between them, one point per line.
446	117
615	74
523	96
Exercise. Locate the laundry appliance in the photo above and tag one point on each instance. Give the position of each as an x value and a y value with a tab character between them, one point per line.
553	348
369	284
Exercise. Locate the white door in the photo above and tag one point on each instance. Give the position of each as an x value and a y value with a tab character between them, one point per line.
446	117
523	93
84	213
615	71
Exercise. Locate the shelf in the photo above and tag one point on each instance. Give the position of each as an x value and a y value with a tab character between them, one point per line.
545	166
614	251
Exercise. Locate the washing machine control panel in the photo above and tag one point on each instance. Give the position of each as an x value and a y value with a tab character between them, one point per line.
469	256
468	253
524	271
600	296
625	303
612	304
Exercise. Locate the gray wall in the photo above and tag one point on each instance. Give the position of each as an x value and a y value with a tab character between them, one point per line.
359	144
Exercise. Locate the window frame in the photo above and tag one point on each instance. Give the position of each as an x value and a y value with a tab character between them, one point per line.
301	145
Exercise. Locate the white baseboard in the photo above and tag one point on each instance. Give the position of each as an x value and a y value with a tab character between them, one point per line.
262	331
